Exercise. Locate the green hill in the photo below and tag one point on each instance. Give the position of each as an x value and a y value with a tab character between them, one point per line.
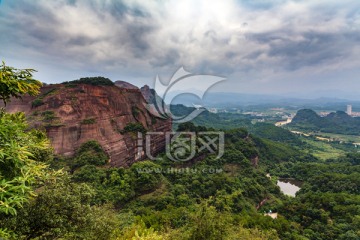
335	122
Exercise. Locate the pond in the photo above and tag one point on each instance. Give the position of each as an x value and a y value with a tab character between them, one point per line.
289	186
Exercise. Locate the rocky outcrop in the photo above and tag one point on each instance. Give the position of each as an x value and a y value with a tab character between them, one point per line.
150	95
123	84
73	114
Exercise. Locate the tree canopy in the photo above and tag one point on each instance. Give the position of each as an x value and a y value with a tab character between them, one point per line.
22	153
95	81
17	82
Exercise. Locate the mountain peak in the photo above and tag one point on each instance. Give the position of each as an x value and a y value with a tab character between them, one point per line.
123	84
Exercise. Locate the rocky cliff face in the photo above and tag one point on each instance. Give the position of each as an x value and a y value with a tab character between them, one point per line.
150	95
122	84
73	114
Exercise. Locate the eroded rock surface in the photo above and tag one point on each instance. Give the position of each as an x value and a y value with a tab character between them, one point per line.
74	114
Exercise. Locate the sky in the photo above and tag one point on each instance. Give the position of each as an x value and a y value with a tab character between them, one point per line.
289	47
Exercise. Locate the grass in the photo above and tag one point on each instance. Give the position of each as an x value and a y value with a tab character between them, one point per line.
161	190
322	150
341	137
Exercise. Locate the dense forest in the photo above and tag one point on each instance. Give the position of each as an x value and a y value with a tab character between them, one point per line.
44	196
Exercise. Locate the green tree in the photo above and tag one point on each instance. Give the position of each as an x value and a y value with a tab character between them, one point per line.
147	176
19	168
95	81
17	82
209	223
89	153
63	210
22	153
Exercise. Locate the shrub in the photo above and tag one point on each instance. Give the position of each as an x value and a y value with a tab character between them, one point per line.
90	158
146	179
48	115
133	128
50	92
89	173
88	121
37	102
135	111
70	85
89	153
63	210
90	145
153	120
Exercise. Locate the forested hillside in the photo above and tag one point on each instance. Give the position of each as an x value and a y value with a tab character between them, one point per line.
335	122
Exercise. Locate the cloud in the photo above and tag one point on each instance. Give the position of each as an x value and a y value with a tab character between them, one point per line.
255	39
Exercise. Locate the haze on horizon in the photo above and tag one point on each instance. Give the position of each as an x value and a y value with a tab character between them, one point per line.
284	47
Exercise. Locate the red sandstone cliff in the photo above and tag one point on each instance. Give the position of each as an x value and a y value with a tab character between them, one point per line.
74	114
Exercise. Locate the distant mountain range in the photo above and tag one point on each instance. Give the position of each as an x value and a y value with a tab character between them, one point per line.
336	122
243	100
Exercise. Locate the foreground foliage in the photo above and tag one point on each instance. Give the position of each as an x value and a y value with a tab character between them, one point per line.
17	82
22	161
22	153
63	210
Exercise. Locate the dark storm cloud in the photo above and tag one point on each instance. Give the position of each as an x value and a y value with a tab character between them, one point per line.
102	38
80	41
25	23
137	38
171	58
311	49
253	56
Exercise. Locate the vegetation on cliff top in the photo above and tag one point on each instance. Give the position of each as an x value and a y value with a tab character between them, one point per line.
95	81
